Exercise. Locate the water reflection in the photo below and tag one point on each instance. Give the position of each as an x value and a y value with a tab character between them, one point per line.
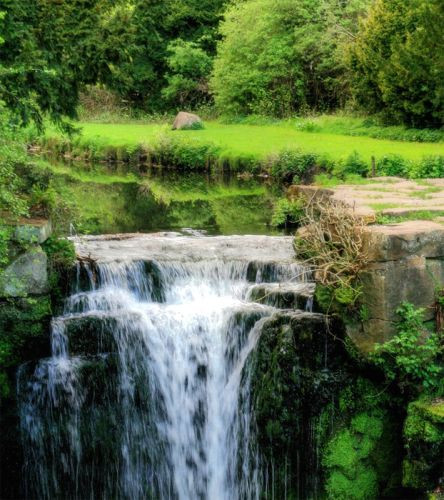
161	199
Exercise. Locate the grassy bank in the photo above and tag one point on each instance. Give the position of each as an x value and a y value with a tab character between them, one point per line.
243	146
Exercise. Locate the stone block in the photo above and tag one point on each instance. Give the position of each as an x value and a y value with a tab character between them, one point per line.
397	241
26	275
387	284
34	231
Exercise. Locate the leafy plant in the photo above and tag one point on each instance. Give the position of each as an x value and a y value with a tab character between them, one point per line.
287	212
413	357
291	165
393	165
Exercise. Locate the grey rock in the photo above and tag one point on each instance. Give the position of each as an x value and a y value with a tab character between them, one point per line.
185	120
36	231
26	275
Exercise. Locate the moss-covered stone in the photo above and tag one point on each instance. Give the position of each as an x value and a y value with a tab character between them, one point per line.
91	335
24	333
362	458
423	467
318	412
297	370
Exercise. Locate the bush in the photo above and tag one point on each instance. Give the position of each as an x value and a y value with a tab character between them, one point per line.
393	165
413	358
353	165
431	167
287	213
292	165
185	154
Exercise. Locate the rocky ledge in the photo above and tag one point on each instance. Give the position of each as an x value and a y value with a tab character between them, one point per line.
176	247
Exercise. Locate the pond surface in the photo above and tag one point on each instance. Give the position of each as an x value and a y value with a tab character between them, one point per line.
165	200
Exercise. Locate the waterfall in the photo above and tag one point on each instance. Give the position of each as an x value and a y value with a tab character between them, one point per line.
147	393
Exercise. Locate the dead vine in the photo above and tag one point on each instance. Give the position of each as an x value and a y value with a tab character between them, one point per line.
331	242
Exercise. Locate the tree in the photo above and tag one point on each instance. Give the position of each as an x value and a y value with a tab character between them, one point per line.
142	37
280	57
187	80
50	50
397	62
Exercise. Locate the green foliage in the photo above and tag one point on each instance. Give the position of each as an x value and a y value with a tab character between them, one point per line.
424	437
24	326
396	62
287	212
184	153
431	167
188	70
414	356
341	299
353	165
301	66
292	165
393	165
50	49
155	48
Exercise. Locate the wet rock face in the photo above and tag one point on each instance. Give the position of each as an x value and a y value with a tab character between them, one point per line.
423	467
298	370
406	265
324	428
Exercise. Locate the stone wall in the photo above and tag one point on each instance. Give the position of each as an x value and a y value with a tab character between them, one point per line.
406	265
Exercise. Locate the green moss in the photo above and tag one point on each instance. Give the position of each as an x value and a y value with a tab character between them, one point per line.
363	485
24	326
424	437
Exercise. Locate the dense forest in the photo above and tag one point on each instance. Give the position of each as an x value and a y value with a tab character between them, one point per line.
243	57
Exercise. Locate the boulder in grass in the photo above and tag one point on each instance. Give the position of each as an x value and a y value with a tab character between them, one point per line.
187	121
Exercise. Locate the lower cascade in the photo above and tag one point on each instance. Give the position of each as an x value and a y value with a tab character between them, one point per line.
147	394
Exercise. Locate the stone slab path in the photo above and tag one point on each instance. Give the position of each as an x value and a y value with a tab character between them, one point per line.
387	196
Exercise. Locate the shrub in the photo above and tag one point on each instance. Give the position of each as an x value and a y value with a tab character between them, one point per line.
393	165
287	213
185	154
431	167
331	242
292	165
353	165
414	356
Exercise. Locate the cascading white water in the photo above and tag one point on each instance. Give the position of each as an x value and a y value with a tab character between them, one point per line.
155	403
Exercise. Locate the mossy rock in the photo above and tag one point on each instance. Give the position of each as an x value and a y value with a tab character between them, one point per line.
423	467
297	370
91	335
361	459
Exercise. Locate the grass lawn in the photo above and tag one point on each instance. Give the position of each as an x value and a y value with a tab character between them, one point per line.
261	140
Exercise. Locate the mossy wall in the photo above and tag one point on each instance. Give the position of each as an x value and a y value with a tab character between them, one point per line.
423	467
325	428
24	337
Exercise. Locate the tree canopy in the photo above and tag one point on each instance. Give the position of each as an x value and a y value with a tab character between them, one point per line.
397	61
282	57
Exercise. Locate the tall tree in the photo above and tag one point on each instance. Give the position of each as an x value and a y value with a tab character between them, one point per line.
281	57
397	62
50	50
140	36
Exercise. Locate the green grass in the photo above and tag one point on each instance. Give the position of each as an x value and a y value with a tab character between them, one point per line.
414	215
260	141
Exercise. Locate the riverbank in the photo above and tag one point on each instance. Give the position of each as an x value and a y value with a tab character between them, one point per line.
248	147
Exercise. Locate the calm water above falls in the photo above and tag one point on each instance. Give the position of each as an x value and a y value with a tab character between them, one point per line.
147	392
164	200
